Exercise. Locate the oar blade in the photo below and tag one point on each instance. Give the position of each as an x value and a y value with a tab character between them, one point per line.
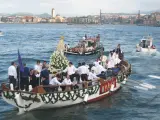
154	76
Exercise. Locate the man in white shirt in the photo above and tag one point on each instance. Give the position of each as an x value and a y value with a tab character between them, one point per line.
68	47
83	72
100	69
55	80
94	68
38	68
71	71
67	81
12	74
92	75
110	64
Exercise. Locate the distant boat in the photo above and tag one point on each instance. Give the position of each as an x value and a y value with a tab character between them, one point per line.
1	33
69	24
146	45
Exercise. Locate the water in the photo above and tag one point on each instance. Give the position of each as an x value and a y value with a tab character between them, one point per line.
37	42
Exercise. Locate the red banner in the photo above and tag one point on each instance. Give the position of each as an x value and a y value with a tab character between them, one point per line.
105	87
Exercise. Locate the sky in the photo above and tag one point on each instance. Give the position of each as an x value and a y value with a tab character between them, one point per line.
77	7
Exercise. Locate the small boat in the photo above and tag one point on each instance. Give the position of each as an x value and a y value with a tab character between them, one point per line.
146	45
69	24
88	46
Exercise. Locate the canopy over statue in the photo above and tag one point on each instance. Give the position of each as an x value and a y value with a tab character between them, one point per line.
60	46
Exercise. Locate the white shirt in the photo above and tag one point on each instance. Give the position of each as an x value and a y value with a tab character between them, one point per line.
92	76
117	60
104	58
111	63
70	70
12	71
38	68
67	82
96	63
83	70
68	46
54	81
95	69
100	68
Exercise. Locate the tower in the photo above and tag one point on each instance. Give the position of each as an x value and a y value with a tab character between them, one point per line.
139	14
53	12
100	17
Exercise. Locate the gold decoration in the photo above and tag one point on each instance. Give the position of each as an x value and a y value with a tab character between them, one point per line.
60	46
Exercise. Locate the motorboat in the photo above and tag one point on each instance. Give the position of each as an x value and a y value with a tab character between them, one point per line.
1	33
146	45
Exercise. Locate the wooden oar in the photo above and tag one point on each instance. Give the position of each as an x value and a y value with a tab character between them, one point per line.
154	76
142	84
136	87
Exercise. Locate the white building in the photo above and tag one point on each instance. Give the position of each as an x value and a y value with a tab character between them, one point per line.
53	13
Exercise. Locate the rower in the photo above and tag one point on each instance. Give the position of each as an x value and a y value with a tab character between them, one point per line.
71	71
55	81
67	82
92	77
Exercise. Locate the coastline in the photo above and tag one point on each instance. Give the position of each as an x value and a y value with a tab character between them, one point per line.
83	24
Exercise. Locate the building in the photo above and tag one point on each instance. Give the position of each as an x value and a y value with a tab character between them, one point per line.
36	20
52	20
27	19
59	19
53	13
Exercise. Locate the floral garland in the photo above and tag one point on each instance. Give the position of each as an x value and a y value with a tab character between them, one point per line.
57	62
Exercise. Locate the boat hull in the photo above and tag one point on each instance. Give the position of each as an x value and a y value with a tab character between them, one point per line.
24	102
146	50
85	53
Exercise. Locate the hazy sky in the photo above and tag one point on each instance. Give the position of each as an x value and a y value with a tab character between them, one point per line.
77	7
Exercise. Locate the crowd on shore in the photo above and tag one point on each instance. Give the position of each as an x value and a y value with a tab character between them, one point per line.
40	75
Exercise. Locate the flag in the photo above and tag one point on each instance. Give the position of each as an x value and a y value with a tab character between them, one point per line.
21	67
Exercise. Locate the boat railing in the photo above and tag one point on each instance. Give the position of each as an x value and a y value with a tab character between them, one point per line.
42	89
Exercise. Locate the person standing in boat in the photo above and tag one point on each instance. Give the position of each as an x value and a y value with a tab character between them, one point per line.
38	68
85	37
44	65
12	74
45	76
68	46
100	68
24	81
71	71
33	78
83	70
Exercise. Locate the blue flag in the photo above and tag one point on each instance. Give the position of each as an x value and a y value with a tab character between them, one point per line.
21	67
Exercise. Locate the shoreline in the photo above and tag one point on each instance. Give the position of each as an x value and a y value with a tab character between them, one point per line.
84	24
